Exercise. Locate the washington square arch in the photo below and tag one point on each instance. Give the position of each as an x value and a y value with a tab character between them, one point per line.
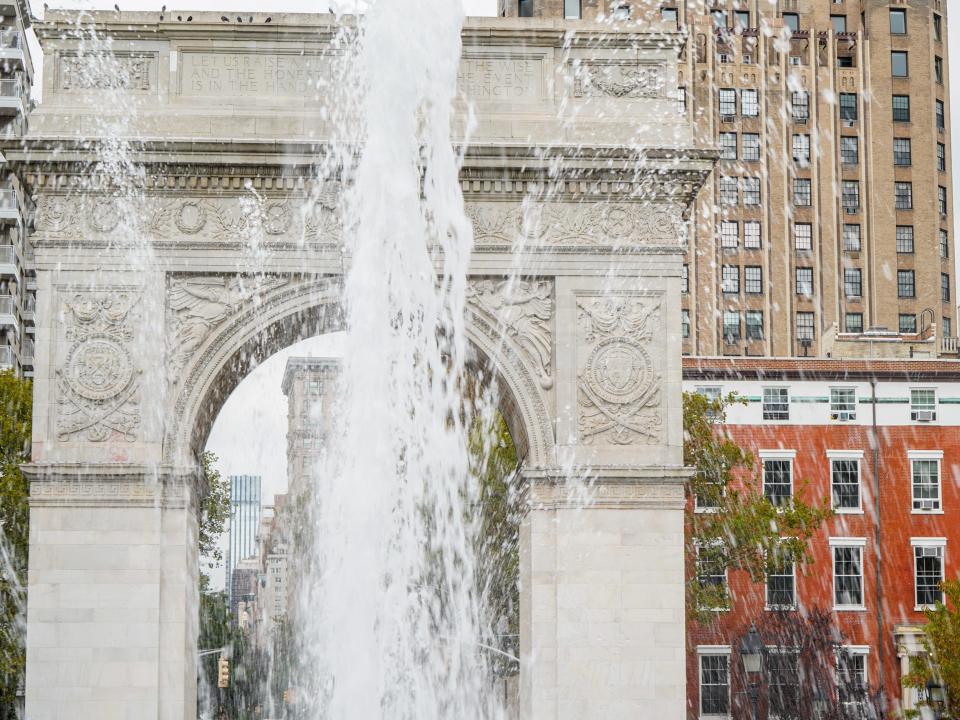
132	368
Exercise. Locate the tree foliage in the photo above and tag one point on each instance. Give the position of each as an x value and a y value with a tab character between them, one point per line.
742	530
214	510
941	641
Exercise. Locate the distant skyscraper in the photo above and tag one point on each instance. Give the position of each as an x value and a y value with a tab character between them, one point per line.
244	524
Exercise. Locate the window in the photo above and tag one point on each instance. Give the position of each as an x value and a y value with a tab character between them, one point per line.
853	322
729	192
754	323
923	404
751	235
851	238
852	680
667	14
839	23
937	28
904	238
941	118
903	195
927	571
944	244
849	153
753	279
901	108
908	324
792	21
783	683
800	105
728	146
848	106
802	195
804	281
729	234
947	332
715	685
850	195
901	151
525	8
741	18
925	481
681	101
751	146
731	326
751	191
805	326
906	287
571	10
749	103
711	570
898	22
899	65
845	483
941	157
938	69
685	323
685	279
778	480
801	149
719	18
942	199
776	403
728	102
731	279
781	585
852	283
945	287
802	236
847	572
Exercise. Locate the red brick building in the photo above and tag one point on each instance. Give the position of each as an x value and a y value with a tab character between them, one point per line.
879	441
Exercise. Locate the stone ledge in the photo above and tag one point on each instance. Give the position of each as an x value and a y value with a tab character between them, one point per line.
609	487
108	485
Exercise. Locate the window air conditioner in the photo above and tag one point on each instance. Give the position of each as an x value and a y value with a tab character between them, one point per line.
800	121
795	60
924	415
727	118
928	505
843	416
725	58
747	59
849	123
851	210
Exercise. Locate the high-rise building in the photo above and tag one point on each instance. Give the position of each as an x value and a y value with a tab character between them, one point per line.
244	526
829	214
18	283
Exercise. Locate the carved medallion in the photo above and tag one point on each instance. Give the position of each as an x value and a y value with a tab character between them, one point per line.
104	215
276	218
619	371
191	217
98	368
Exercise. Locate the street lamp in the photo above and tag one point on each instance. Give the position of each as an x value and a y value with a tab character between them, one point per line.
751	655
820	702
936	697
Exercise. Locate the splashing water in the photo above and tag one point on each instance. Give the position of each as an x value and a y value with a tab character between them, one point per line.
397	622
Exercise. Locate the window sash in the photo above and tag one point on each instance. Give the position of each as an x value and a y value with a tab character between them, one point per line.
749	103
751	234
906	286
853	322
778	481
927	574
803	236
901	108
714	685
848	575
754	323
776	404
845	483
852	283
802	192
851	238
805	326
925	483
753	279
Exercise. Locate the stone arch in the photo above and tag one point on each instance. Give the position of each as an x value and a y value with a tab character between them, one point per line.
291	309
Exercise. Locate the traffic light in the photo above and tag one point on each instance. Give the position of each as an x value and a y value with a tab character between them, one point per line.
223	673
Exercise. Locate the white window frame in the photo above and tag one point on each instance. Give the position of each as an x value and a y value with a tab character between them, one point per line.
848	542
835	414
915	408
712	650
847	455
863	650
928	542
927	455
766	591
763	402
726	579
789	455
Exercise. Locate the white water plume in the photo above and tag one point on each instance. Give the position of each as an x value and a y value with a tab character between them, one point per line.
397	623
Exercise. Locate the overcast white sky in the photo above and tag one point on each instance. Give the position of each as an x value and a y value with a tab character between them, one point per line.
250	434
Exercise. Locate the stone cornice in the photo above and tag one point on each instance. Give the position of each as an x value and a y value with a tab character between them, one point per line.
110	485
608	488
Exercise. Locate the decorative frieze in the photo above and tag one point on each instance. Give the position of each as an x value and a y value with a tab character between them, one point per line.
619	79
606	493
128	72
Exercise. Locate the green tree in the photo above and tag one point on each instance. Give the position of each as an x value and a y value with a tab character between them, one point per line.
743	530
16	397
941	642
214	511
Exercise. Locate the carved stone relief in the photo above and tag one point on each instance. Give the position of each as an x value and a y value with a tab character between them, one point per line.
114	71
618	385
523	309
618	79
294	221
197	305
99	382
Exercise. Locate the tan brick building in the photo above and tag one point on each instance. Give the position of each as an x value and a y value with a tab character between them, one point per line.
829	213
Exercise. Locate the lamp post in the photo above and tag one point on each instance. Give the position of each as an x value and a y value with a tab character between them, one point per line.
936	697
820	702
751	655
